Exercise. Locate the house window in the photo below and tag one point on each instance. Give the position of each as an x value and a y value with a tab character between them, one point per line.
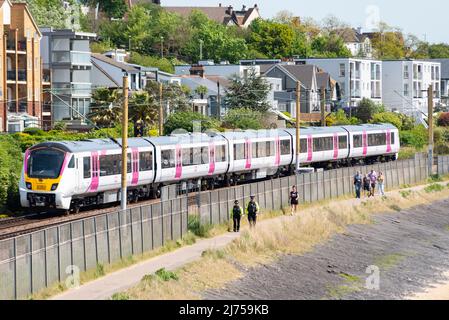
406	72
406	89
342	70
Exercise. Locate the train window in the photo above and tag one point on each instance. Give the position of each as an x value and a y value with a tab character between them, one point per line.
72	163
145	161
187	155
303	145
270	149
254	149
261	149
393	136
204	155
343	142
239	151
220	153
358	141
285	147
168	159
377	139
110	165
86	167
323	144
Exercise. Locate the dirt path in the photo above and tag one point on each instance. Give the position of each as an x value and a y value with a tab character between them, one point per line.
409	249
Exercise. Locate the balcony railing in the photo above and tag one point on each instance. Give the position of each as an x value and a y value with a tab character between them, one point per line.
22	75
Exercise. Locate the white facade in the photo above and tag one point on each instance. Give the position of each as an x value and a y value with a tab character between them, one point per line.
405	84
358	78
223	70
361	49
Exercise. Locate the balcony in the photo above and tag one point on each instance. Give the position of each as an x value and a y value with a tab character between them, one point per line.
74	58
22	75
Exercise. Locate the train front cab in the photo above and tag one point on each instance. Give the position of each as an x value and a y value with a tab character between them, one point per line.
46	177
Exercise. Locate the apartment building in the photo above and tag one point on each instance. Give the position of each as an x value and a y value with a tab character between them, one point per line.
357	78
67	75
20	63
209	68
405	84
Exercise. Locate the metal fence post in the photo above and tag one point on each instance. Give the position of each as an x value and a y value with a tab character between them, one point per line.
96	239
120	234
31	263
15	267
108	238
132	232
45	258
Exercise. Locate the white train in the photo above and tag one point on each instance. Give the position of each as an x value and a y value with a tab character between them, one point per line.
72	174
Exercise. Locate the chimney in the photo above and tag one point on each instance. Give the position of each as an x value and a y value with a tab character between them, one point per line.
359	30
219	5
230	10
244	8
255	6
197	70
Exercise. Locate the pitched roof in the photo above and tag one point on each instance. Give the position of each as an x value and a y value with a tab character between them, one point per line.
303	73
121	65
217	14
224	82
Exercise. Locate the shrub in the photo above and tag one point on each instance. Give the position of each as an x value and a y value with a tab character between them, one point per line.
340	118
442	149
165	275
434	188
366	109
10	170
185	120
120	296
443	119
387	117
243	118
417	137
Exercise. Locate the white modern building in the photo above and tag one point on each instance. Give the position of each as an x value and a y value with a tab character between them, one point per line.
405	85
358	78
224	70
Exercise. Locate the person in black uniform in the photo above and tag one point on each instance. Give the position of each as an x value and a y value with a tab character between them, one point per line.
237	213
253	210
294	200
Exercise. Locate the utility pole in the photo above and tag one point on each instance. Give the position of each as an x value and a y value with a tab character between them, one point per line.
298	119
218	101
430	121
124	194
161	111
201	49
323	106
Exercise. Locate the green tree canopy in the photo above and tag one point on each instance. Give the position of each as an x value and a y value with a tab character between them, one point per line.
185	121
251	93
366	110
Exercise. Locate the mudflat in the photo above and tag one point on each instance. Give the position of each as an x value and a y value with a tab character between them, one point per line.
400	256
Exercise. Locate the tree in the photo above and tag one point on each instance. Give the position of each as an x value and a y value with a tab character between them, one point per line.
366	110
113	8
49	13
185	120
443	119
387	117
143	107
329	46
106	109
388	42
340	118
201	91
249	93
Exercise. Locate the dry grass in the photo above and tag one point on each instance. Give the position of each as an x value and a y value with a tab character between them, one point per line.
271	239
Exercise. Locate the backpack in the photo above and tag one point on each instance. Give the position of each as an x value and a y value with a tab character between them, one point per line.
252	208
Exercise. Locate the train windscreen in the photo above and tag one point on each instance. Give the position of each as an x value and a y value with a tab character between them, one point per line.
45	163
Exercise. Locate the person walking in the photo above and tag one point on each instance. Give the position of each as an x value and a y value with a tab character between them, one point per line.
294	200
253	210
366	186
358	181
237	213
381	183
373	181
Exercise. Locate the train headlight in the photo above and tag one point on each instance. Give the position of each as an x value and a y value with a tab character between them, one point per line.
29	185
54	186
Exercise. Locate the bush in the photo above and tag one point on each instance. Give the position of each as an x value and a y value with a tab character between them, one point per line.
244	119
340	118
435	187
366	110
408	123
417	137
442	149
10	171
165	275
185	120
443	119
387	117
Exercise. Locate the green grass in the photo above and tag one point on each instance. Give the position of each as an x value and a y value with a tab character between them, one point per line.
395	207
165	275
435	178
350	284
435	187
120	296
389	261
406	193
197	228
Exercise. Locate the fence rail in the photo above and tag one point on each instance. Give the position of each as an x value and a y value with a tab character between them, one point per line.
38	260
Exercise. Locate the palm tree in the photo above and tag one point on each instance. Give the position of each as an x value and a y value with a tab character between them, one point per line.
106	110
143	107
201	91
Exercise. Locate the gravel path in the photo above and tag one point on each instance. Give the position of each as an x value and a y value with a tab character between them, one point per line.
410	249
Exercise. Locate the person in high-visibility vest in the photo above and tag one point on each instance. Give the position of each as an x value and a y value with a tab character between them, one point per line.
236	215
252	209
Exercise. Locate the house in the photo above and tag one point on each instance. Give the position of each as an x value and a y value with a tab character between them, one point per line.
109	73
224	70
67	74
290	75
225	15
331	89
357	78
358	43
135	2
444	80
21	65
405	84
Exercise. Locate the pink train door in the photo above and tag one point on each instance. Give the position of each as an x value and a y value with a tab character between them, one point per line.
365	143
389	141
277	161
211	158
95	172
309	148
335	146
135	166
178	161
249	153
